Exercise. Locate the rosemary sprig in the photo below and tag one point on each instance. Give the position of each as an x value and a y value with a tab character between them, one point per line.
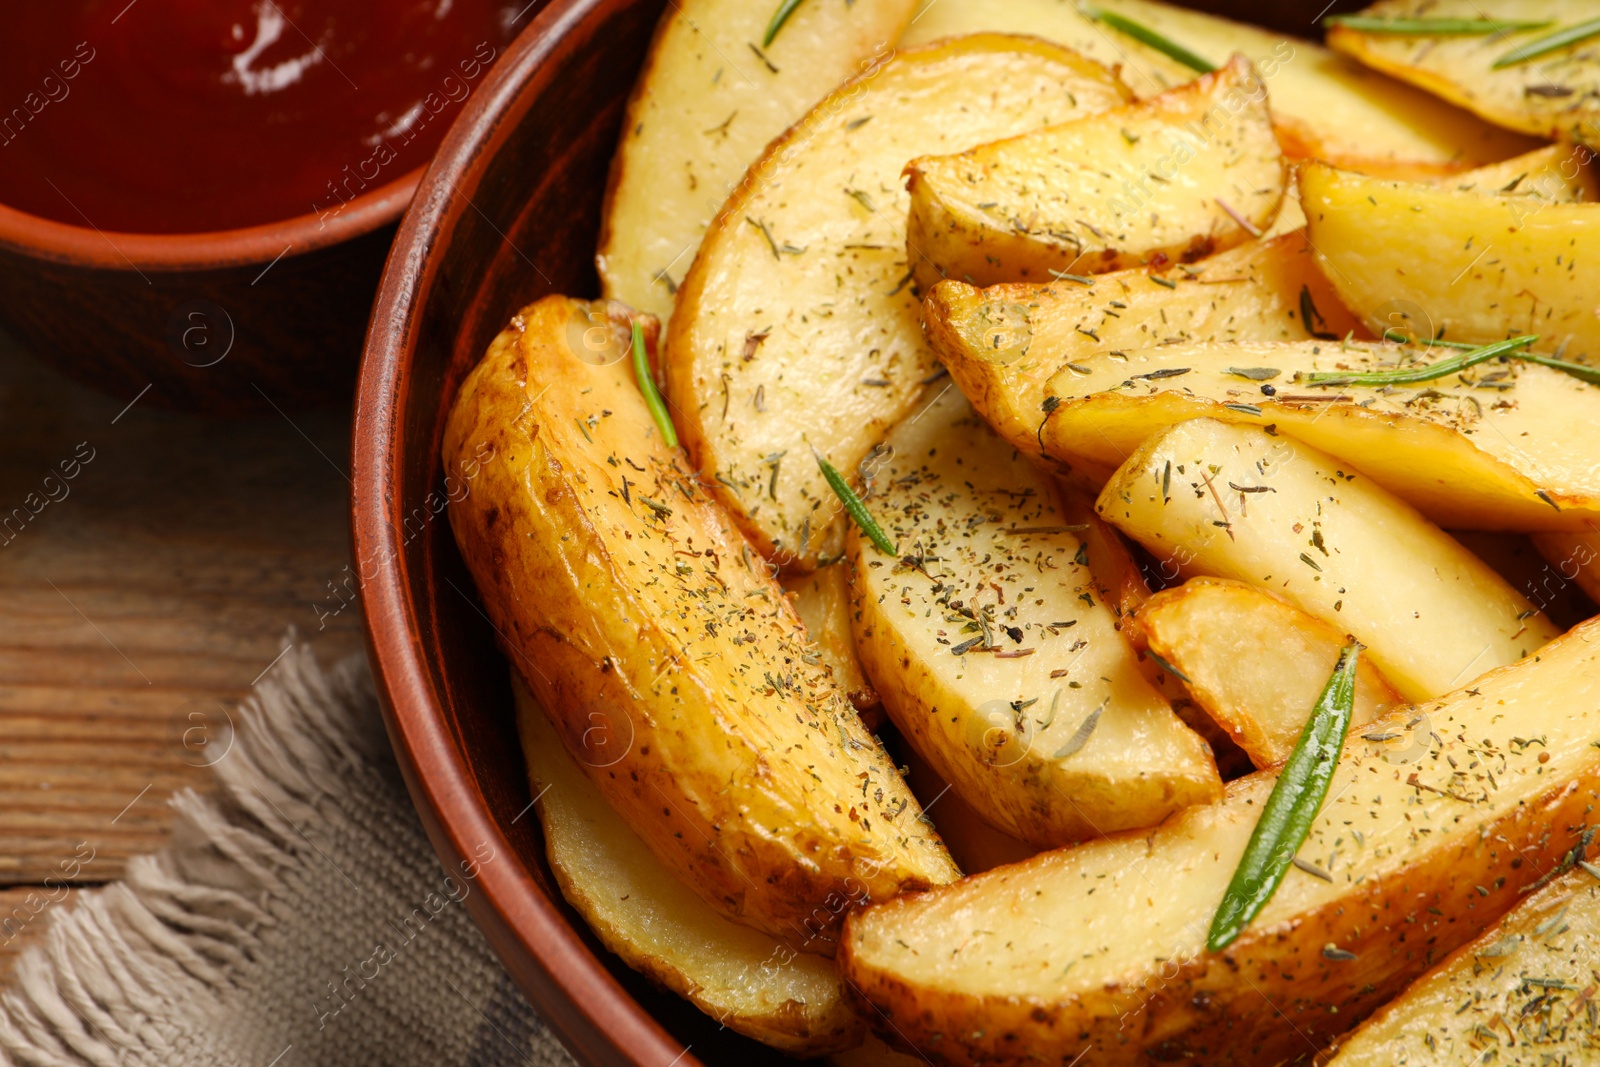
858	510
1145	35
1581	371
1550	42
1431	27
647	386
1426	373
779	17
1291	809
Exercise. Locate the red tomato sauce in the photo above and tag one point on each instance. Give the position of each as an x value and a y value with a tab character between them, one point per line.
182	116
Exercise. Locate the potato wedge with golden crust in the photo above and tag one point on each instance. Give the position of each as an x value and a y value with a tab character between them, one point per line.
1500	447
1253	661
993	653
797	327
1556	95
1003	344
1169	179
1529	977
1554	174
702	108
1238	502
1325	106
1470	267
1425	839
750	982
822	599
683	681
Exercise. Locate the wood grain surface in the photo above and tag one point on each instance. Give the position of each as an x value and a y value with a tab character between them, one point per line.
151	565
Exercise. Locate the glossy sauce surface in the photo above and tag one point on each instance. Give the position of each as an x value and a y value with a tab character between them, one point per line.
174	116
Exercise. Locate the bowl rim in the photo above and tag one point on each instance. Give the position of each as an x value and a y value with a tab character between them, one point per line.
91	247
581	1001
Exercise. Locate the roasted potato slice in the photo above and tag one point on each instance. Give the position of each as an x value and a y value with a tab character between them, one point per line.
1324	105
702	108
1554	174
680	674
797	327
1003	344
1169	179
1556	95
1500	447
1425	839
748	981
1238	502
1254	662
1456	264
1518	979
993	653
822	599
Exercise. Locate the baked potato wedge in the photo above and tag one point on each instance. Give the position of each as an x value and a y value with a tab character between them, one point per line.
1521	989
1471	267
1556	95
1554	174
1239	502
1427	837
822	599
797	327
702	108
1499	447
680	675
1003	344
1324	105
748	981
993	652
1173	178
1254	662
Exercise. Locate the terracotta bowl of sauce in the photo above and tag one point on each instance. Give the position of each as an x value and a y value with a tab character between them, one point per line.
510	212
196	196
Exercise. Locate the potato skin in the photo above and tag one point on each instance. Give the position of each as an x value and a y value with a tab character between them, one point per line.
1446	850
740	764
747	981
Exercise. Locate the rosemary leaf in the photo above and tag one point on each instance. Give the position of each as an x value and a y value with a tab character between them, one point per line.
647	386
1145	35
1579	371
1293	806
1431	27
858	511
779	17
1550	42
1426	373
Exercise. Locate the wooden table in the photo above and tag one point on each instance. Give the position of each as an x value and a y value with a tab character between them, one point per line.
151	565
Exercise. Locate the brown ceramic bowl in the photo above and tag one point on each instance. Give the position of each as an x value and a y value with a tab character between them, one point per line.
236	320
508	212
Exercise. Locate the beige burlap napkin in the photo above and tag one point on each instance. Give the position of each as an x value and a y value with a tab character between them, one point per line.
299	919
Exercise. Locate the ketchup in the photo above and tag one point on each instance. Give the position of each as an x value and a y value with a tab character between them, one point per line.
181	116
